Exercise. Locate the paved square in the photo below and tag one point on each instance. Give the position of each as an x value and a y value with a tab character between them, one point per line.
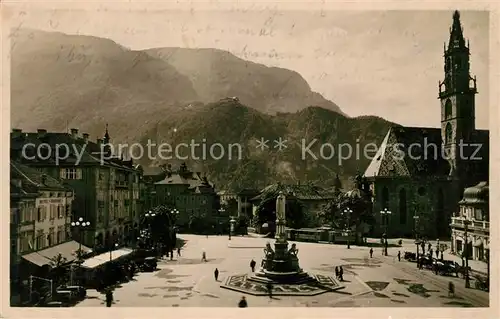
369	282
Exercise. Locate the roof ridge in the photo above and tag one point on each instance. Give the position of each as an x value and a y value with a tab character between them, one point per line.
22	173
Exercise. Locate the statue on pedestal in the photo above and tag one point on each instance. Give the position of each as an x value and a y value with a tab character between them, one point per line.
293	251
268	251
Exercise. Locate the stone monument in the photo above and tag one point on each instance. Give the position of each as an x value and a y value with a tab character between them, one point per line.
281	264
280	267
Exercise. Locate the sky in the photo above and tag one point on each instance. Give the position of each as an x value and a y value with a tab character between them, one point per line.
383	63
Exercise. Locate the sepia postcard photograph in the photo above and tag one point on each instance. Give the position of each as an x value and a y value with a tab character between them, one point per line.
250	155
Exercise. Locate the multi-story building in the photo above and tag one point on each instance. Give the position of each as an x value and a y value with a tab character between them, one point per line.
470	227
188	192
106	187
40	218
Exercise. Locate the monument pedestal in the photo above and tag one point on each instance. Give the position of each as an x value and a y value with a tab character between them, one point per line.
281	268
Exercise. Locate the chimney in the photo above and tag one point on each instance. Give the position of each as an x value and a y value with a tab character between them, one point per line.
85	137
44	179
16	132
74	132
41	132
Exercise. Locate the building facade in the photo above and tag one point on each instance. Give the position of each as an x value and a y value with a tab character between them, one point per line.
189	192
470	227
419	174
106	187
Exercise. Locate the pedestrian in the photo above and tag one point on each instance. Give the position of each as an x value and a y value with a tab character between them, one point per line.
429	245
442	256
337	272
399	255
252	265
109	298
243	302
178	251
437	253
341	273
431	253
216	274
269	287
204	256
371	252
451	289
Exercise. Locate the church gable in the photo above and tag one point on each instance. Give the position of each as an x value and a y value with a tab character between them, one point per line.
387	162
393	161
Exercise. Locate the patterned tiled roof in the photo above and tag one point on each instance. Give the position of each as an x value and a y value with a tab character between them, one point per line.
417	151
32	180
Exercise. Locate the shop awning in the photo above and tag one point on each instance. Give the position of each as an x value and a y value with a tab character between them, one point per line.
103	258
67	250
478	242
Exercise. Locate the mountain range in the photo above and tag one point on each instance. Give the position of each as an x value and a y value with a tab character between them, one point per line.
176	95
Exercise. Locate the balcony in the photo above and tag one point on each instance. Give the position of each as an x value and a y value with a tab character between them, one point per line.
458	222
123	184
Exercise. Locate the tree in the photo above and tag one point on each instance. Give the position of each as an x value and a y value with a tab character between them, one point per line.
58	270
360	205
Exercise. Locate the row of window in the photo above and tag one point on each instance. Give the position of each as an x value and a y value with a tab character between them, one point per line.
71	173
29	242
51	212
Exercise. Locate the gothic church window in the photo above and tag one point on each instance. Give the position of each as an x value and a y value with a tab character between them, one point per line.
447	109
402	206
385	197
448	134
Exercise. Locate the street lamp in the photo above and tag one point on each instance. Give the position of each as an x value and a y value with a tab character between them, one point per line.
416	219
466	254
348	213
81	225
385	213
111	251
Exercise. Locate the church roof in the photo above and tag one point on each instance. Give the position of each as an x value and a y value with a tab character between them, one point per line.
409	151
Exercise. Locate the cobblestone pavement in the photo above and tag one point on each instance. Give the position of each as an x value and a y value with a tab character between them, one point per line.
370	282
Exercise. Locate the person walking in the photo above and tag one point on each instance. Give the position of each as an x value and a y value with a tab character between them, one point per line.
216	274
178	251
252	265
341	273
204	256
269	287
371	252
109	298
437	253
399	255
243	302
337	272
451	289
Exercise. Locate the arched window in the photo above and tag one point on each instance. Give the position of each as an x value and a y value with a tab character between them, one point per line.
385	198
448	134
447	109
402	207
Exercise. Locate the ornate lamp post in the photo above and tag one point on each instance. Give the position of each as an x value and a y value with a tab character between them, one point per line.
417	242
81	225
348	213
466	253
149	215
385	216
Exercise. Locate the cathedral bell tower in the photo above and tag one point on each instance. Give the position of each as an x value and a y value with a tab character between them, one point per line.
457	93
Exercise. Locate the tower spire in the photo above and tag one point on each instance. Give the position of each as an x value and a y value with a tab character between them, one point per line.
106	134
456	34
